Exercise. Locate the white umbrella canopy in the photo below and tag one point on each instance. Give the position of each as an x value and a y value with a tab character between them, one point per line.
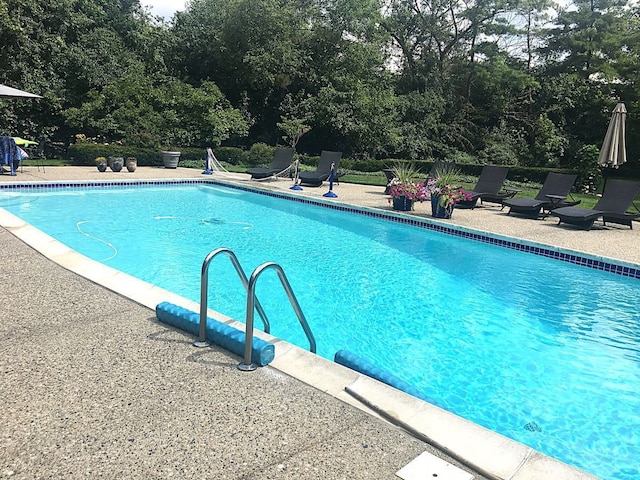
6	91
613	152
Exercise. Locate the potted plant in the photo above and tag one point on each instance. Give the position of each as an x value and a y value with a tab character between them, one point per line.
444	195
101	164
132	164
404	189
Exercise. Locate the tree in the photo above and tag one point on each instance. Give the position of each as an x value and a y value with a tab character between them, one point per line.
294	118
62	50
586	38
134	111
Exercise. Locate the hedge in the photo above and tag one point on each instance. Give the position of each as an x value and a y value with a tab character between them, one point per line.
262	154
85	154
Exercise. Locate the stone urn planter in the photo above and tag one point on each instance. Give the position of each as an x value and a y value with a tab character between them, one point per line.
101	164
117	163
132	164
170	159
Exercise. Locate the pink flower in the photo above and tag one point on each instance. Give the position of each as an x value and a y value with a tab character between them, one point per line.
447	193
411	190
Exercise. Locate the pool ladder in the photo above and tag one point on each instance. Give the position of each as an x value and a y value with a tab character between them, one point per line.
252	304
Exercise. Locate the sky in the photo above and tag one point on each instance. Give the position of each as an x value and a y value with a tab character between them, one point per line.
164	8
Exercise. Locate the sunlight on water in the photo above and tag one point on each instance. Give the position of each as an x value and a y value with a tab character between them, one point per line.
542	351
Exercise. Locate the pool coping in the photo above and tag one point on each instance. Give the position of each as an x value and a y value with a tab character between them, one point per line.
491	454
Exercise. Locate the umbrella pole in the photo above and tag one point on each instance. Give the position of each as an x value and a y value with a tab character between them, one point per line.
605	177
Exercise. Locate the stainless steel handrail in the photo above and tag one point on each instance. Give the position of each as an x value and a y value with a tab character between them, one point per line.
204	292
246	364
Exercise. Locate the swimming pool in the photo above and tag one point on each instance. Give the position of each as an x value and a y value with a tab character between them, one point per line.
527	346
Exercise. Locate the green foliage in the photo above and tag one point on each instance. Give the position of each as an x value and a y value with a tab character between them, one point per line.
405	172
459	158
260	154
503	146
585	161
549	143
134	111
294	119
231	155
84	154
421	130
362	164
413	80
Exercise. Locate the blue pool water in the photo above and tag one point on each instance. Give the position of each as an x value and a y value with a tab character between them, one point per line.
542	351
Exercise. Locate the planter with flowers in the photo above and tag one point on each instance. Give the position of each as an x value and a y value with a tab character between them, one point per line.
404	189
444	195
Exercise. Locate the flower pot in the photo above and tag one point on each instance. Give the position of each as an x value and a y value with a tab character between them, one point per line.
402	204
102	166
117	163
132	164
439	211
170	159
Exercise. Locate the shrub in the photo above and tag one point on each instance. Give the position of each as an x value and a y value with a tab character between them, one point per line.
231	155
260	154
585	161
85	154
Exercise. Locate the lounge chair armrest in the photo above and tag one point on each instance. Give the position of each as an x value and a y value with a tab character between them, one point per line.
510	192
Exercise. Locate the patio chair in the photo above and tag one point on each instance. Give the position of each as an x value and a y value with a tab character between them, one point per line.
553	194
617	198
281	162
390	175
488	187
323	170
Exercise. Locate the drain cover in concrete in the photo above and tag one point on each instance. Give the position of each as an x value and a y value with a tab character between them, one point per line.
429	467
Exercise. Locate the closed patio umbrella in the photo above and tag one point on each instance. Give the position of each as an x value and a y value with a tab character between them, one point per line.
15	93
613	152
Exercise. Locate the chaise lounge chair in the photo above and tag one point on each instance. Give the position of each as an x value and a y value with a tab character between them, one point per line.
612	207
488	187
553	194
281	161
323	170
